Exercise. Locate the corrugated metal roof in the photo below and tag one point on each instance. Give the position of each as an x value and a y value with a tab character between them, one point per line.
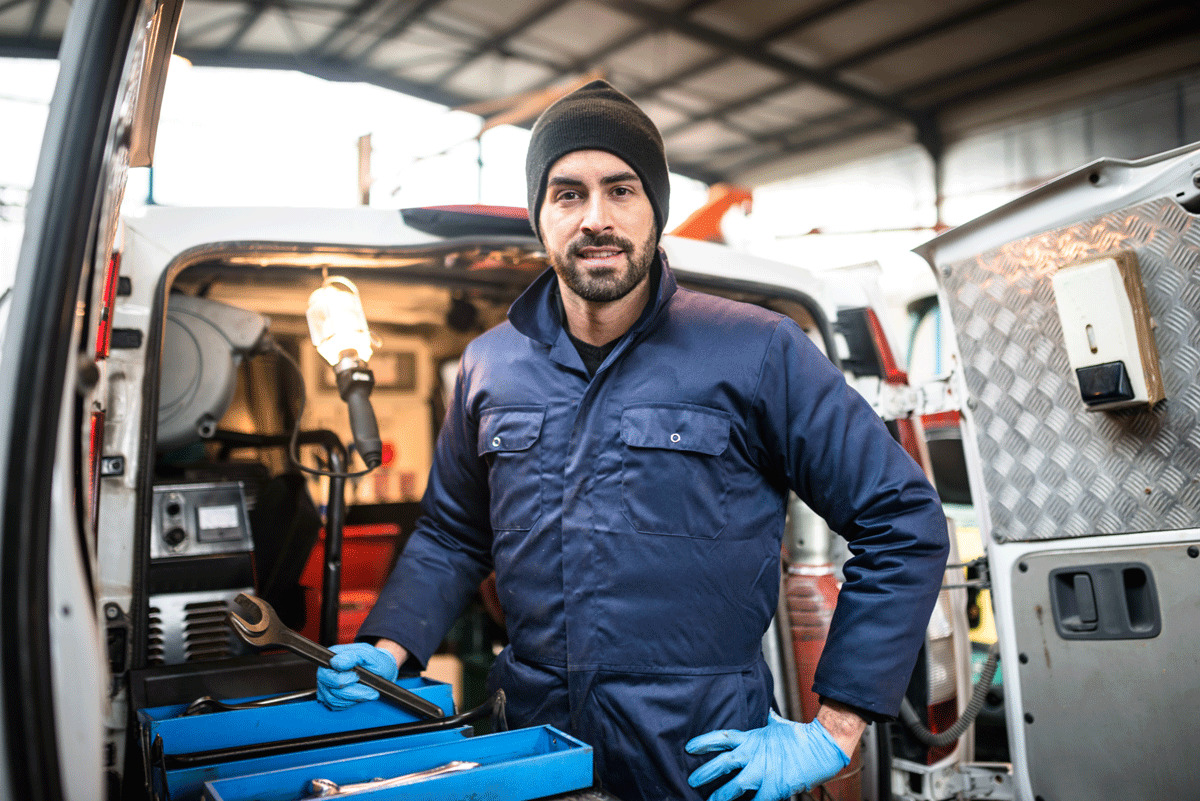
743	90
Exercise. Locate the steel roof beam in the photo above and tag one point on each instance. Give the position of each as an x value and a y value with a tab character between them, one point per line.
743	49
253	14
497	41
964	17
783	29
803	146
413	15
620	43
330	70
924	119
1167	31
348	21
28	47
1079	35
39	17
928	132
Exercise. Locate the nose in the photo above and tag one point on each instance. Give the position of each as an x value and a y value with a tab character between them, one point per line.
595	215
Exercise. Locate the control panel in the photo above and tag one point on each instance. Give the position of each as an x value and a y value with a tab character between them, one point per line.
198	520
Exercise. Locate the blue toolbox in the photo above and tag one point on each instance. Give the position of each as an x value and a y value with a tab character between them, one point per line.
517	765
169	737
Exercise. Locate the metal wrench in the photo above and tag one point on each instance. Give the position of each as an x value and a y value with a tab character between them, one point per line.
324	788
268	630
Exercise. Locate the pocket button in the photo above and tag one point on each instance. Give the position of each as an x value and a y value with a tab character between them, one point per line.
675	438
495	442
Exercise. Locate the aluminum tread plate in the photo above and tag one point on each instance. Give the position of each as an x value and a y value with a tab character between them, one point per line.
1050	468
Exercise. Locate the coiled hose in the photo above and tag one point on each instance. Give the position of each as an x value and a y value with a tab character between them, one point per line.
911	721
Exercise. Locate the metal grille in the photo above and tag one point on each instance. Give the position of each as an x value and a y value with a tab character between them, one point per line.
190	627
206	635
156	644
1050	468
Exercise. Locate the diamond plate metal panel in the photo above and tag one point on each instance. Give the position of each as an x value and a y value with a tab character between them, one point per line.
1050	468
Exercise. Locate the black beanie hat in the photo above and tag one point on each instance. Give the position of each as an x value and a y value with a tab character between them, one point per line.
598	117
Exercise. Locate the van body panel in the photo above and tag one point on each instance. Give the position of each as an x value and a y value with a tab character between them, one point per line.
1094	709
1089	518
1050	467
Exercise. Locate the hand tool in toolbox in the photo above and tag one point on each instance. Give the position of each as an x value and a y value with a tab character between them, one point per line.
324	788
268	630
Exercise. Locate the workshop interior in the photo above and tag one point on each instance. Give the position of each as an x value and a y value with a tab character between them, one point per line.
269	502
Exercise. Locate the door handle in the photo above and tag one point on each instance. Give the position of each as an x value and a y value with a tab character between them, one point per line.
1105	602
1085	599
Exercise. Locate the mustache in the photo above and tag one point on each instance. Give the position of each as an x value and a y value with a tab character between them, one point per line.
600	241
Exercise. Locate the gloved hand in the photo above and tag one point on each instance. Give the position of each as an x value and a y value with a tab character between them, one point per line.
338	686
781	758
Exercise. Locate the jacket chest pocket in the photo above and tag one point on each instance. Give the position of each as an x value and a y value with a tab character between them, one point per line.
674	476
509	439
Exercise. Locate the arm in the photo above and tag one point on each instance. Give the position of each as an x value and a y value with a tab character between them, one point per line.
826	443
844	725
821	439
394	649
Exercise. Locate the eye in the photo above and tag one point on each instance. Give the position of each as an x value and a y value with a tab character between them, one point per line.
567	195
622	191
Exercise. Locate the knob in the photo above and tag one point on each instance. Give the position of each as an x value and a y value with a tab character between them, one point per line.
175	536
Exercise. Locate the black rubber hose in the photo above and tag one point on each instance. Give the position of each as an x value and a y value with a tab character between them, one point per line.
911	721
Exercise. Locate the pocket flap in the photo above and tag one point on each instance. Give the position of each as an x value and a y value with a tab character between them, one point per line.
675	427
509	429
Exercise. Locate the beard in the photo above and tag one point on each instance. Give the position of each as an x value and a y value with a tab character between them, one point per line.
604	286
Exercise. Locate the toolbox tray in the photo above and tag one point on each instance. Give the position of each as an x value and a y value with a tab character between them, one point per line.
288	721
185	735
517	765
187	784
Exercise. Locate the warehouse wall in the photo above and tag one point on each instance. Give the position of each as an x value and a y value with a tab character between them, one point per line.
986	168
820	219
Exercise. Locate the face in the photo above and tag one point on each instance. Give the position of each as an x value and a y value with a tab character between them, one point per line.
598	225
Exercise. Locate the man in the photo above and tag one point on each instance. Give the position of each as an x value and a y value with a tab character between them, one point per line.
620	452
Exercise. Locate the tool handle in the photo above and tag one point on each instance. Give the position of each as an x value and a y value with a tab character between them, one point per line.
408	700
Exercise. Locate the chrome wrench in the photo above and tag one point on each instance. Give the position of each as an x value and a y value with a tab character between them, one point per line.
262	627
325	788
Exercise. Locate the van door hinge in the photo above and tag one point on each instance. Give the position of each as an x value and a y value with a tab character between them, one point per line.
902	401
982	579
976	781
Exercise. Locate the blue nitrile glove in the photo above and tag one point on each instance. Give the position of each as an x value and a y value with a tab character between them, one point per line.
338	686
781	758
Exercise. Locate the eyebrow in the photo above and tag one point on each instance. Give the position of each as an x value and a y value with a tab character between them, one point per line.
617	178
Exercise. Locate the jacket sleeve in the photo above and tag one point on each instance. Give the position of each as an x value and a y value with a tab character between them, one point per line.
449	552
840	459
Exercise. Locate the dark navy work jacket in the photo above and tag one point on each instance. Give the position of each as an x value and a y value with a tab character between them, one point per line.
634	521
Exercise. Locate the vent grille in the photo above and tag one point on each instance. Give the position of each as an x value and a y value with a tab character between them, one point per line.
156	647
205	634
190	628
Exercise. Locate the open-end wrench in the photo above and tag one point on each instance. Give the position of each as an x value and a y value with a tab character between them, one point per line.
324	788
262	627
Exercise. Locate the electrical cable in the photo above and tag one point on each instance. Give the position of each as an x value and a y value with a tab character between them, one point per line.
293	453
911	721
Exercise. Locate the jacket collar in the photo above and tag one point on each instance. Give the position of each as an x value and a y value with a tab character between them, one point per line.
535	312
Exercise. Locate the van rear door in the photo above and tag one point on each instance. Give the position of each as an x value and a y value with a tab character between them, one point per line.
54	681
1090	513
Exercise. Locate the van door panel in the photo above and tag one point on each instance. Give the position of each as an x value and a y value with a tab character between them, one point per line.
1089	518
1101	717
1051	469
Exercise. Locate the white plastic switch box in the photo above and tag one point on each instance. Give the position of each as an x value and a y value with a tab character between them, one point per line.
1108	332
